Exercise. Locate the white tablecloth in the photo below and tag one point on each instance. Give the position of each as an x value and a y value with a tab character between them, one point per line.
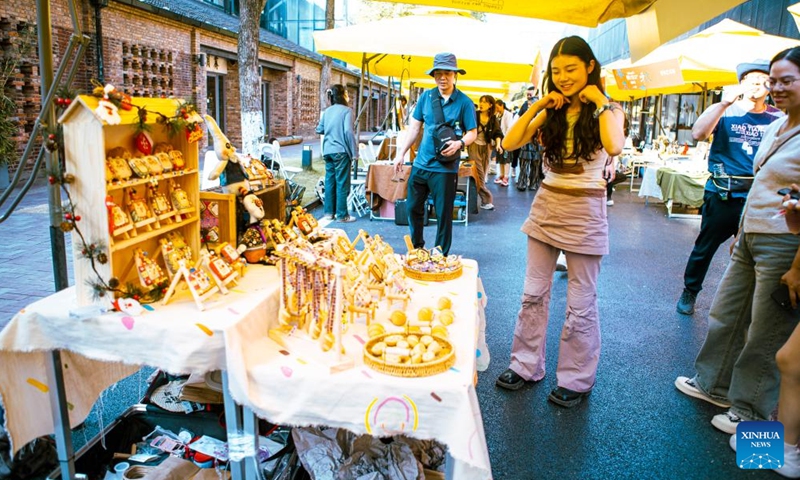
291	389
98	351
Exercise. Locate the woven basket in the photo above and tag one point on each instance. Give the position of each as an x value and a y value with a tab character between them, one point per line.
435	367
433	276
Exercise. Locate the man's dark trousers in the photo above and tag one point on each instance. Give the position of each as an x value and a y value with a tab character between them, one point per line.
442	187
720	222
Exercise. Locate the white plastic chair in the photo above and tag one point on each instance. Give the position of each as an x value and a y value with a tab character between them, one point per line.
366	155
287	172
273	151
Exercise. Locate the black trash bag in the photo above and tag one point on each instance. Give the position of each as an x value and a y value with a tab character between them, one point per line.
36	459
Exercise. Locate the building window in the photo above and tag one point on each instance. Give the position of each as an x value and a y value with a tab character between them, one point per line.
294	20
218	3
215	99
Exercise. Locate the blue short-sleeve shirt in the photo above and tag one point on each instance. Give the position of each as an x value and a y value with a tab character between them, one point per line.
458	108
737	137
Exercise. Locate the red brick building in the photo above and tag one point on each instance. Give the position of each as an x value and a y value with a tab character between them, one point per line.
181	48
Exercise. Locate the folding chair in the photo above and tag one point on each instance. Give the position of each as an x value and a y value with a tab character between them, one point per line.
357	198
274	151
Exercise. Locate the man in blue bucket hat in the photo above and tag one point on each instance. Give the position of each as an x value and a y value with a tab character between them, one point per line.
434	172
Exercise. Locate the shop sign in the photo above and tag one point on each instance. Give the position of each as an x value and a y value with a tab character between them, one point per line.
647	77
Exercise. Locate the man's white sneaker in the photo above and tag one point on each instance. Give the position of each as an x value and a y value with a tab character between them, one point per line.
487	206
686	385
791	462
726	422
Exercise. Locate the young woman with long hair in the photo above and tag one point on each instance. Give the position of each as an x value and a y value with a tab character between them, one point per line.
489	136
338	150
580	131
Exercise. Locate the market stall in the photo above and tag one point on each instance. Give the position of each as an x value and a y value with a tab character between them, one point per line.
291	388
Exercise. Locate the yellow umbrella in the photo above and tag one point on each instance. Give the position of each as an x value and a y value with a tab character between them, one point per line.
709	58
615	92
650	22
404	47
795	11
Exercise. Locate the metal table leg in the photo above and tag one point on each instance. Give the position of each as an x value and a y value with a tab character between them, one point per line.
58	402
234	426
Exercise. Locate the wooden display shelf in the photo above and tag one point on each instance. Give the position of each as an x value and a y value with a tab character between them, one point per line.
142	181
87	141
123	244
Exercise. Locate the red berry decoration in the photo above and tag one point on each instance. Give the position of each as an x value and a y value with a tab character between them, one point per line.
52	136
68	216
77	218
51	179
67	101
136	297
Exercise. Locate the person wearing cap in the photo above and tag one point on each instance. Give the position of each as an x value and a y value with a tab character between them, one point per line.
738	122
428	174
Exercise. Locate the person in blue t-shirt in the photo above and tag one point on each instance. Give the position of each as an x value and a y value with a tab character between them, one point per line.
428	174
738	126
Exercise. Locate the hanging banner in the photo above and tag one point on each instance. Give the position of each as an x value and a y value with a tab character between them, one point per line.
646	77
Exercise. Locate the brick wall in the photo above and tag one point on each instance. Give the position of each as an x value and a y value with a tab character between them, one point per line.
150	55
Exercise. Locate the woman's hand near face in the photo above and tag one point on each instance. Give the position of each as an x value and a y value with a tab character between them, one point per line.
554	100
591	93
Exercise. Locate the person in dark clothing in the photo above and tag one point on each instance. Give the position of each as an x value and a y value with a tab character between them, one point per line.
429	175
738	123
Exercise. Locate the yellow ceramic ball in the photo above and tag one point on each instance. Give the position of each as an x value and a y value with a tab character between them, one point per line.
425	314
398	318
445	303
376	329
447	316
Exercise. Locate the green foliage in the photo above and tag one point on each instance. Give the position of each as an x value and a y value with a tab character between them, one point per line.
17	48
8	130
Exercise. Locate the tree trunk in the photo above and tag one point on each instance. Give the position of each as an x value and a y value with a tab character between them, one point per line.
249	78
325	75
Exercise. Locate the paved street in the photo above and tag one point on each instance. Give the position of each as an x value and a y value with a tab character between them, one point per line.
635	424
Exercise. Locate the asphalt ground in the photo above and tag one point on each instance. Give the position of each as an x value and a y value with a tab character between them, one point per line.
634	425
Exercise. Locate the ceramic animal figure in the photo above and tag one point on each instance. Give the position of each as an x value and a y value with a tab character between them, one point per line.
222	147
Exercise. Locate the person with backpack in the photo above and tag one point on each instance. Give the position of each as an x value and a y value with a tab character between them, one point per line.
448	116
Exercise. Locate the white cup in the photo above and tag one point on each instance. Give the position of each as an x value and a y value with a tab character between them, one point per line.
120	468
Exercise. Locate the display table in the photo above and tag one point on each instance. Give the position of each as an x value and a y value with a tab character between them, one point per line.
677	180
99	350
289	388
383	184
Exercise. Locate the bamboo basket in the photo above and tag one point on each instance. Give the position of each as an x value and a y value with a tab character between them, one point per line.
432	276
426	369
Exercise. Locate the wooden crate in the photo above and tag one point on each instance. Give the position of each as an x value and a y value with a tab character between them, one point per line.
219	210
274	199
87	139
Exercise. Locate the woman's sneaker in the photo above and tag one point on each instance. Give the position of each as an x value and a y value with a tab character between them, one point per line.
726	422
689	387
